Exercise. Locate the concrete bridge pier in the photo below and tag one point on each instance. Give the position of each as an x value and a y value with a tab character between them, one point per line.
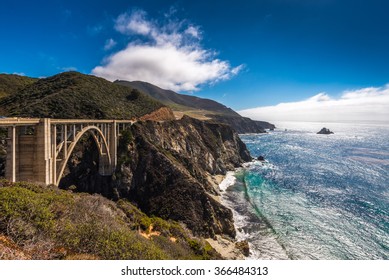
11	168
29	153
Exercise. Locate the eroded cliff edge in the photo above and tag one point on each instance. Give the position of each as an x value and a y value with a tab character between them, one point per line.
164	168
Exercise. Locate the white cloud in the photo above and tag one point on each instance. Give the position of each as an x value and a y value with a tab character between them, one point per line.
109	44
134	23
166	54
367	104
193	31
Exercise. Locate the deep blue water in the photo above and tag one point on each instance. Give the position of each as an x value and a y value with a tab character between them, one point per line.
316	196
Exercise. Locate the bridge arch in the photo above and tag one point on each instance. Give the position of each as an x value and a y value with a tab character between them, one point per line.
102	145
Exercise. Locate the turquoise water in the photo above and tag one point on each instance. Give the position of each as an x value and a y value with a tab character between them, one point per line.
316	196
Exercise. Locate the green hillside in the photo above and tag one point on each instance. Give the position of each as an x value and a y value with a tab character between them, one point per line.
10	84
75	95
180	102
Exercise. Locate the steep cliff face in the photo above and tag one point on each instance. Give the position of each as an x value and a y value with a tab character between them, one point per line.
164	168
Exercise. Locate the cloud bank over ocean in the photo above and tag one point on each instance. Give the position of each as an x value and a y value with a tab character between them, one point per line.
366	104
167	54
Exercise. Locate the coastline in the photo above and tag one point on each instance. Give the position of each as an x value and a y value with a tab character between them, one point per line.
251	227
225	246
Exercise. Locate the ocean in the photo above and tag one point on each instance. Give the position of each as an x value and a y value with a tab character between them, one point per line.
315	196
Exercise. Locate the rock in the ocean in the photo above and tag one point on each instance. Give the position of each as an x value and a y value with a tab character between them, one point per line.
260	158
325	131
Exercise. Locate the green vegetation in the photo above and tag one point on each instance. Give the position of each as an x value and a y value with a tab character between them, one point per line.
10	84
75	95
49	223
181	102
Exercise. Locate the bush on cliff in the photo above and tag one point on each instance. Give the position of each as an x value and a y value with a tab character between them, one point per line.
49	223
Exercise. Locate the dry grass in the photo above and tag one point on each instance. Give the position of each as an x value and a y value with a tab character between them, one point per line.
38	222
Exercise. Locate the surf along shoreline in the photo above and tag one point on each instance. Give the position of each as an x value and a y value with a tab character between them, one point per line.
250	224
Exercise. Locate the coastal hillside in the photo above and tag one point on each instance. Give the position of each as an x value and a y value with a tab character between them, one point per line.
11	84
168	170
166	181
199	108
75	95
38	222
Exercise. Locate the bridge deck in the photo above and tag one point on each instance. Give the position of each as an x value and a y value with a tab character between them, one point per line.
18	121
33	121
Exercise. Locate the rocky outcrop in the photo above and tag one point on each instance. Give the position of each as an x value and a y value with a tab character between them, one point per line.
242	124
161	114
261	158
244	247
163	168
325	131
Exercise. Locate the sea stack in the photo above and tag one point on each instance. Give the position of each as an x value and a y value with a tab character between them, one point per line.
261	158
325	131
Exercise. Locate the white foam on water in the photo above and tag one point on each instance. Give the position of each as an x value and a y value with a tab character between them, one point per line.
263	243
258	163
228	181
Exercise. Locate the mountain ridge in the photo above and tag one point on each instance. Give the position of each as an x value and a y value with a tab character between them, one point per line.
169	97
199	108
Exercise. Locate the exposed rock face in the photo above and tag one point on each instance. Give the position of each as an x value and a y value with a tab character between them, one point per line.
325	131
161	114
243	125
163	167
244	247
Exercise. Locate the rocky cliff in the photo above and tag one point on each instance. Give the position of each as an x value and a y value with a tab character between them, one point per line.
165	168
161	114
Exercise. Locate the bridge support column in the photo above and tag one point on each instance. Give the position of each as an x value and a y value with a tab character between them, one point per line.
12	166
44	165
113	143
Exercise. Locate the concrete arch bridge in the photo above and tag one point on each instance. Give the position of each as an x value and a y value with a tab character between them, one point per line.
39	149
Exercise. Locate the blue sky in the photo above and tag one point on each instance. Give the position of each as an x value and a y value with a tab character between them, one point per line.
245	54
